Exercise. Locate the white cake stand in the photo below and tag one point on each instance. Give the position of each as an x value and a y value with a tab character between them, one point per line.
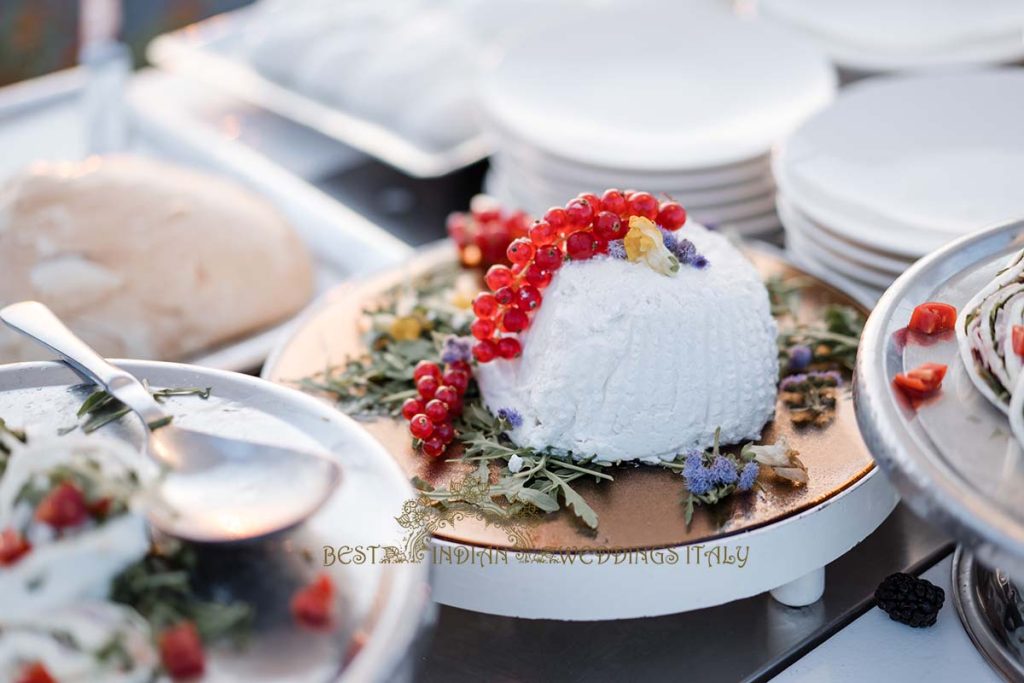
787	558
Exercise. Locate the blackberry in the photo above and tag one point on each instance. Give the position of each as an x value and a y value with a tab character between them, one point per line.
910	600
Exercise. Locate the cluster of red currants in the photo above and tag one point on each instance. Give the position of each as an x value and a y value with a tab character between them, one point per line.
580	230
484	233
439	400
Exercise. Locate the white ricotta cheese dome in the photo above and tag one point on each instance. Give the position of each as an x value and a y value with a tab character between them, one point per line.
623	363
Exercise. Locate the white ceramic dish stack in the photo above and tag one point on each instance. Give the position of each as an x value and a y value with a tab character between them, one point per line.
871	36
685	101
899	166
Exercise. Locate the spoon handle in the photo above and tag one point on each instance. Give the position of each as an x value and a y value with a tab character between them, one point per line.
39	323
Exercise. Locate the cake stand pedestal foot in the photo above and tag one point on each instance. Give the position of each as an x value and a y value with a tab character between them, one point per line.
803	591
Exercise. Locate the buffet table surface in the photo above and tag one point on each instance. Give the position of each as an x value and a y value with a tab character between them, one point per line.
840	638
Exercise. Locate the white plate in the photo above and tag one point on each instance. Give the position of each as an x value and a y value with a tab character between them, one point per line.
808	251
687	87
688	197
906	164
796	222
389	602
884	35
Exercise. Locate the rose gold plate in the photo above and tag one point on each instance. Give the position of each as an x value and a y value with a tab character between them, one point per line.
642	508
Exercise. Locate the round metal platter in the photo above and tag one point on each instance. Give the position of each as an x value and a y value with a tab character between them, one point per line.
385	606
952	457
990	608
641	509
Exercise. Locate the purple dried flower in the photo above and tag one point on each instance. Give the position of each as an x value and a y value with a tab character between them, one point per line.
455	349
688	255
829	374
723	470
791	381
685	251
617	249
697	476
748	476
669	238
800	357
511	416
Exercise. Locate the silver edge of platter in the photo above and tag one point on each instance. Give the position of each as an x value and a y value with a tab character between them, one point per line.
402	614
988	602
911	461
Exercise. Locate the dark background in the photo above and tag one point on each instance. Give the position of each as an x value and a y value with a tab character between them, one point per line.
39	36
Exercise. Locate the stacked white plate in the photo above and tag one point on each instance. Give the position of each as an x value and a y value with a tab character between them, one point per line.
683	100
899	166
903	35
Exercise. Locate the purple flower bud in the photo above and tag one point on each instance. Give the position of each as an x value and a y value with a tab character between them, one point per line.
800	357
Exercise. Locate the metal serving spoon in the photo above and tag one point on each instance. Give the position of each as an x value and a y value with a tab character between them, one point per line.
216	488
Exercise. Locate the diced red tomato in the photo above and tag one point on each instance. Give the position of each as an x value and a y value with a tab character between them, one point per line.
181	651
922	381
312	605
1018	340
933	317
35	673
63	507
99	509
12	546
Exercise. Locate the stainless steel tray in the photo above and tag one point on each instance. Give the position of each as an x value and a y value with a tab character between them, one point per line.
952	458
210	51
41	119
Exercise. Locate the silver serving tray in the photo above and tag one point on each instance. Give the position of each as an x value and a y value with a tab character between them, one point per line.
953	459
342	242
209	51
389	603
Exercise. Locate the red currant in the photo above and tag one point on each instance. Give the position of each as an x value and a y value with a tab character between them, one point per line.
557	218
421	426
426	386
446	394
484	351
426	369
614	201
601	247
485	305
411	407
671	216
456	225
514	320
505	296
483	328
580	246
593	200
518	223
543	233
498	276
608	226
580	212
461	366
457	379
643	204
455	408
538	277
520	251
445	432
548	258
509	347
528	298
436	410
434	447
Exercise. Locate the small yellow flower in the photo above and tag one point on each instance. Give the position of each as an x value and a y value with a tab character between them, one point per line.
644	242
406	328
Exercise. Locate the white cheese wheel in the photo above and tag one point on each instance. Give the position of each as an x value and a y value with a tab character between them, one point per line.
623	363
